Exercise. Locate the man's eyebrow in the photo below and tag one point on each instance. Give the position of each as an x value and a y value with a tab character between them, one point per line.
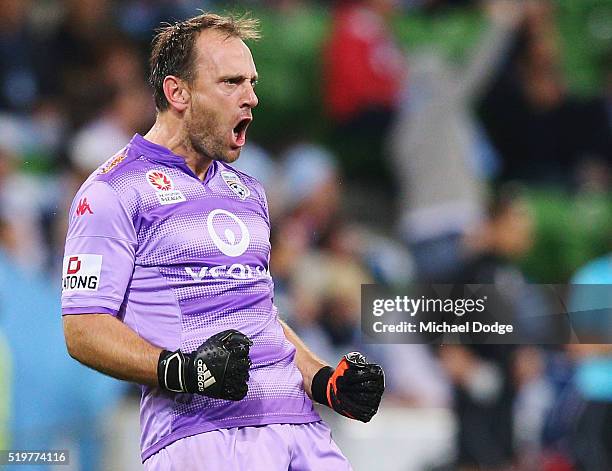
239	77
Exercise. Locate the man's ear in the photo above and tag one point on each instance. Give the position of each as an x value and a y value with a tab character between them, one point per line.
177	93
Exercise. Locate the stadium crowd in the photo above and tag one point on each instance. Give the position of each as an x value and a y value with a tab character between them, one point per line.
394	162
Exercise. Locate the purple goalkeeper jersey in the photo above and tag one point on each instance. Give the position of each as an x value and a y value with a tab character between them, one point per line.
179	259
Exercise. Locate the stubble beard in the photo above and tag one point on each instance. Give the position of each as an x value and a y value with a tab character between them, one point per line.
206	137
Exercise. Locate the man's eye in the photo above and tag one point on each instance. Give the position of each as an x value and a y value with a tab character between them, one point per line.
254	83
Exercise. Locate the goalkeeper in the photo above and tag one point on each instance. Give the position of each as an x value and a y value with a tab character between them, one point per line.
166	280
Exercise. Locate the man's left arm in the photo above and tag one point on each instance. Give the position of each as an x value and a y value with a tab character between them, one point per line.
307	362
354	388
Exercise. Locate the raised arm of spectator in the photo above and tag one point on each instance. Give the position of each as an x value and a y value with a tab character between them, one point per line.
504	16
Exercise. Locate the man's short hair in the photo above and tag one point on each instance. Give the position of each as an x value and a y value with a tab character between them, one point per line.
173	47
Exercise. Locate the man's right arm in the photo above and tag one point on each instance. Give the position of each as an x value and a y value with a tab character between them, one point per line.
99	262
106	344
219	368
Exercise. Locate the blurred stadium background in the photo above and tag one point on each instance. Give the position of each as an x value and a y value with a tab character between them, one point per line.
398	141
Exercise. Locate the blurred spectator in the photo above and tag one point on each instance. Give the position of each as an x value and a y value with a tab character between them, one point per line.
483	377
387	259
256	161
364	71
22	197
21	58
507	235
436	146
543	132
325	296
360	41
139	17
319	262
129	110
424	384
594	171
308	195
436	6
591	440
608	90
310	184
483	396
125	106
72	50
27	73
535	396
119	64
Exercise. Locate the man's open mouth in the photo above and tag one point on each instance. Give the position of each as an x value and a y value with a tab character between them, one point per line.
239	131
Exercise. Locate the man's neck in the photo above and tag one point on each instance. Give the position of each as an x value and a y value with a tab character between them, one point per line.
168	131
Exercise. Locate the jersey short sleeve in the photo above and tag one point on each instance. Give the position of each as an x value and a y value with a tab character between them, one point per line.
99	253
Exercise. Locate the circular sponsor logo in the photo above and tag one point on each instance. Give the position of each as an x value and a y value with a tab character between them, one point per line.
230	244
159	180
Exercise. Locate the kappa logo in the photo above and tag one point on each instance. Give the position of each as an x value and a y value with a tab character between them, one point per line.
164	186
81	272
83	207
232	180
232	246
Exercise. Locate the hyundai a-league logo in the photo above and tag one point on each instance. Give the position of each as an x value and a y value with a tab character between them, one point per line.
159	180
164	186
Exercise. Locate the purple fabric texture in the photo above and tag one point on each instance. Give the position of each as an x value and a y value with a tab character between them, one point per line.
279	447
178	260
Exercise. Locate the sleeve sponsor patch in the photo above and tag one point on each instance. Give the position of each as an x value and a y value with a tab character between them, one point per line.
81	272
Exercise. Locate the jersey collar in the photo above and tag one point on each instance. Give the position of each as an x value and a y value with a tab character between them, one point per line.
163	155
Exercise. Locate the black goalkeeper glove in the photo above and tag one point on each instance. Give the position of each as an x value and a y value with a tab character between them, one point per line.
353	389
219	368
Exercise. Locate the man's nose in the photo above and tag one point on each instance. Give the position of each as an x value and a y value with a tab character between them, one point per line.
250	97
